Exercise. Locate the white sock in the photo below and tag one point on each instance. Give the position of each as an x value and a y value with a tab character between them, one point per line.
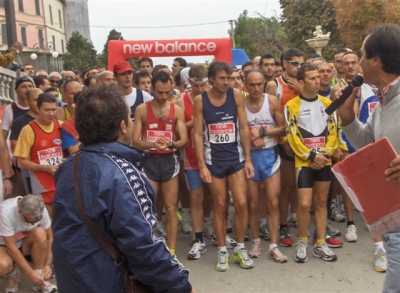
185	214
263	222
222	249
272	246
240	245
379	245
257	241
293	215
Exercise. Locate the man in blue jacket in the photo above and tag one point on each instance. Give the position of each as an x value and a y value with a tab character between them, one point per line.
117	198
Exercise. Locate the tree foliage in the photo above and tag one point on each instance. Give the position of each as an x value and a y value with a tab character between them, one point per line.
355	17
81	53
113	35
258	35
299	19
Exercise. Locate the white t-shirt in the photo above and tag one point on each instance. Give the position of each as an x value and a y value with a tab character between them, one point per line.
12	222
8	116
131	98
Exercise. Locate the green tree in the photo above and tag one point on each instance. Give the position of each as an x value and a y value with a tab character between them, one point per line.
112	35
258	35
81	53
299	19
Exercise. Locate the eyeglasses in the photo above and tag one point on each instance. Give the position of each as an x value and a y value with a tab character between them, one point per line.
53	81
34	222
296	63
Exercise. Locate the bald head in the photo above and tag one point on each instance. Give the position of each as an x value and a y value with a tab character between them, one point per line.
35	92
105	78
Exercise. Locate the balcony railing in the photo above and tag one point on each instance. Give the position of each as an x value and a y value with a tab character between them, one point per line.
7	83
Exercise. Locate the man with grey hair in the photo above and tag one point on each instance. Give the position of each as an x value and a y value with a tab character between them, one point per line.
105	78
25	229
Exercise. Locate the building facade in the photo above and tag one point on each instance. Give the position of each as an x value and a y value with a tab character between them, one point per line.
77	18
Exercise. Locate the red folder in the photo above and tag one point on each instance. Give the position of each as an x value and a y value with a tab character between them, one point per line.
362	177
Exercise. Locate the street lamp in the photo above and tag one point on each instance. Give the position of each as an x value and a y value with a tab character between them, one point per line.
45	50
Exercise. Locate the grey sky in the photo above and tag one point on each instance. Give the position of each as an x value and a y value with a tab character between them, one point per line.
130	17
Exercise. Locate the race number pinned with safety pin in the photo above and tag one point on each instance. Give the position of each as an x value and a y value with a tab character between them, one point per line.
222	133
52	156
315	143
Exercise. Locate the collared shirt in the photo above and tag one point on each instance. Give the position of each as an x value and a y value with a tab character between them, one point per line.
383	94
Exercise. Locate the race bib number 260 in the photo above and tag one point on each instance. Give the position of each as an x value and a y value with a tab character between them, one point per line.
222	133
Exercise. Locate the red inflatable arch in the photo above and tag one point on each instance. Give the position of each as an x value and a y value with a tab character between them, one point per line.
120	50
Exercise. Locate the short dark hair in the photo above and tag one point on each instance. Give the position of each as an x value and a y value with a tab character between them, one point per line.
248	63
39	80
384	42
278	63
50	89
177	77
160	76
87	81
182	62
101	109
266	56
290	53
158	68
339	51
301	73
145	59
350	53
313	56
216	66
45	98
141	74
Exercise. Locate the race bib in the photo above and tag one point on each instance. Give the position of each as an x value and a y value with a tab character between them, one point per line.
154	135
257	127
371	107
314	142
222	133
52	156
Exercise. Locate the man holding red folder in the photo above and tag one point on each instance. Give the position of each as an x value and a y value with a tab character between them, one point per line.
380	63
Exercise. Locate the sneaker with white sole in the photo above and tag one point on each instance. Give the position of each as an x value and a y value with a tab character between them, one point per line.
301	251
186	228
380	260
45	287
323	251
241	256
255	250
208	231
223	261
351	234
198	248
11	283
331	230
264	233
229	242
337	216
292	222
277	255
160	230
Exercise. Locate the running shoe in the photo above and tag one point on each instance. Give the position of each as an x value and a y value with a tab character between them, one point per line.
241	256
380	260
179	215
223	261
186	228
292	222
11	283
332	230
208	231
330	240
229	228
160	230
323	251
198	248
285	239
337	216
229	242
45	287
301	252
247	235
351	234
277	255
255	250
264	233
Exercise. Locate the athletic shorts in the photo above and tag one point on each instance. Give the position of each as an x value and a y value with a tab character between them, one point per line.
193	179
306	176
266	163
161	167
283	155
222	171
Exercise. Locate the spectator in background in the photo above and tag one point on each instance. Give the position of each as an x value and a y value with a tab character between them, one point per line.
41	82
28	69
146	64
178	64
7	59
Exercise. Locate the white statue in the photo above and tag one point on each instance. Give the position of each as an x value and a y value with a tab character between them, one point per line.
319	34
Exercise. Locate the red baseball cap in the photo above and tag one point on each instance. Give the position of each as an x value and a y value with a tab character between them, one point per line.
122	66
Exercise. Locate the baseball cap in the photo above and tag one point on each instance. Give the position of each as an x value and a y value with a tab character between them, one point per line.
122	66
21	80
185	76
55	74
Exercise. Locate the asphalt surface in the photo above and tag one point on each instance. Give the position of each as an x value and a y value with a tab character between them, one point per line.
352	272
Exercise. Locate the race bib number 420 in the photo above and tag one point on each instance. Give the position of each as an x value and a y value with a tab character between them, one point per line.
52	156
222	133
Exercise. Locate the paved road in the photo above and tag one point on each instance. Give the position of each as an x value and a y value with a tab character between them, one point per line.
353	272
